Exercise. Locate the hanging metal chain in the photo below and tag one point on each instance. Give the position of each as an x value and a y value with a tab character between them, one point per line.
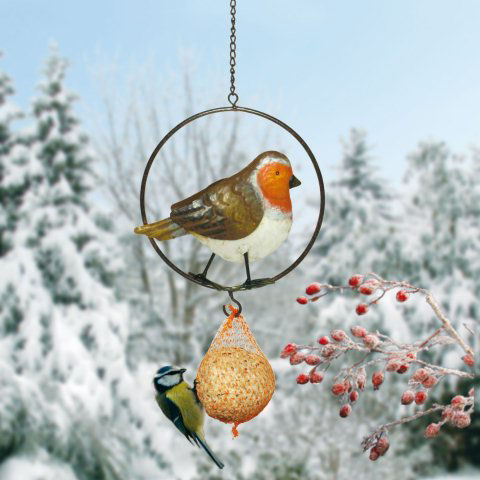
232	96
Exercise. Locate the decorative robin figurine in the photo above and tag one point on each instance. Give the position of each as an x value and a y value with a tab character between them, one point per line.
244	217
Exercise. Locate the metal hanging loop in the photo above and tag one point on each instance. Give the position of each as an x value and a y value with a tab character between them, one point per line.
236	302
232	96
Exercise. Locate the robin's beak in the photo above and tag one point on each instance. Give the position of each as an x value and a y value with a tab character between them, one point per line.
294	182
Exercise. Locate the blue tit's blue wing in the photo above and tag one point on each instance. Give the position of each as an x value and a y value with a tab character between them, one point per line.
172	412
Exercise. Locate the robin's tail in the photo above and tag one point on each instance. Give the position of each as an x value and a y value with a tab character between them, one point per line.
161	230
203	443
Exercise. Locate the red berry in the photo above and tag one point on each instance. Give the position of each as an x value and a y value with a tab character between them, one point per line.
458	402
429	382
302	300
412	355
347	385
361	309
355	281
392	365
402	296
371	340
432	430
468	360
302	379
447	413
407	397
421	397
345	410
313	288
288	350
316	377
460	419
373	454
353	396
361	379
338	389
328	350
402	368
297	358
323	340
420	375
312	359
358	331
382	445
366	289
338	335
377	379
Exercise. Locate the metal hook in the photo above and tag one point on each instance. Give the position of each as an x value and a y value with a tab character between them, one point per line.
234	300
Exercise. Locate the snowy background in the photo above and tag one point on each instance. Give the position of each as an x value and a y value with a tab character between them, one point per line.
387	98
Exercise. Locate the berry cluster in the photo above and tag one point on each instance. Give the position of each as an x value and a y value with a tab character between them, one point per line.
392	358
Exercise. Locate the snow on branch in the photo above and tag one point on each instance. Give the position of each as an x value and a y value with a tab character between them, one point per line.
383	355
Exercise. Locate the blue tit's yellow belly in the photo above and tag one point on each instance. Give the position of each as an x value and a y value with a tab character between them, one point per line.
192	412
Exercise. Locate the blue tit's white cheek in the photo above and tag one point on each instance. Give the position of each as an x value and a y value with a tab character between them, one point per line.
169	380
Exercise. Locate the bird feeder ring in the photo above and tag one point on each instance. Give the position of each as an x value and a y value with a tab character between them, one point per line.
234	109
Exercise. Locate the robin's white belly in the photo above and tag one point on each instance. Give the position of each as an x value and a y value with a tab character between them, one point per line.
265	239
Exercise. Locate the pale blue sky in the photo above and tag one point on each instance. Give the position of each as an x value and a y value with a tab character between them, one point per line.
403	70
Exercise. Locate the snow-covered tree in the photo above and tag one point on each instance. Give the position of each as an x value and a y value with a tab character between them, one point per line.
68	396
10	188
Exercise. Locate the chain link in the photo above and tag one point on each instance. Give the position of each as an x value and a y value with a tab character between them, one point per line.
232	96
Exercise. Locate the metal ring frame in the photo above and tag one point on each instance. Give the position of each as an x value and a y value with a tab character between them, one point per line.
259	114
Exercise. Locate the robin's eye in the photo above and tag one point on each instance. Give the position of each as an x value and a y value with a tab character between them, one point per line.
277	173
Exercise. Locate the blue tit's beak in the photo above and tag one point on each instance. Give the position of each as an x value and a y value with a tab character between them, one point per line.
294	182
182	370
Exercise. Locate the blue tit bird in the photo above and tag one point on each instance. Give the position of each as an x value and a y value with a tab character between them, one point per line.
181	405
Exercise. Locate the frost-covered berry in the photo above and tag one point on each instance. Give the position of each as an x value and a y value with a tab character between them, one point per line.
408	396
353	396
328	350
358	331
373	454
460	419
312	359
361	309
402	296
371	340
402	368
412	355
323	340
421	397
420	375
302	300
432	430
338	335
382	445
288	350
313	288
458	402
377	379
297	358
316	377
345	410
302	378
392	365
347	385
468	360
361	379
338	389
355	280
430	381
366	289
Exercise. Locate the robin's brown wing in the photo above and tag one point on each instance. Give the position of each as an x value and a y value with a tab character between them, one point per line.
229	209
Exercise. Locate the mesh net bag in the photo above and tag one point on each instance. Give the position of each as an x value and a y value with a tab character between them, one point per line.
235	380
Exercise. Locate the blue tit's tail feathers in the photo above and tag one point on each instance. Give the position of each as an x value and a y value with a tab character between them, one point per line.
203	443
161	230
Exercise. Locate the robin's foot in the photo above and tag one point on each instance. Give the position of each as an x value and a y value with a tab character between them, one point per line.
256	283
203	280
